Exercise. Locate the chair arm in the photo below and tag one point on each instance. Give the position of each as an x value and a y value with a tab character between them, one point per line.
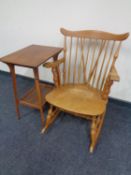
114	75
54	64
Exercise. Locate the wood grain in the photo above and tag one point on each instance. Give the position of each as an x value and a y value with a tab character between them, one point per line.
31	56
89	72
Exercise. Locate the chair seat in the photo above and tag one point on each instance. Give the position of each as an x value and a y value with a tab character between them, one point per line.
80	99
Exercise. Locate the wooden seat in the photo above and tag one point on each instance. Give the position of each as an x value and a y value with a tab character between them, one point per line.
80	99
84	76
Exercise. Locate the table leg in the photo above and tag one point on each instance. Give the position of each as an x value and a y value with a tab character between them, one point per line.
39	94
12	71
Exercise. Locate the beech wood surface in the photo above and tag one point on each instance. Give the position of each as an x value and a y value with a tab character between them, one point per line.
88	74
31	56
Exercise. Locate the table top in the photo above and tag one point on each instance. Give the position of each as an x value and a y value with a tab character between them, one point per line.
31	56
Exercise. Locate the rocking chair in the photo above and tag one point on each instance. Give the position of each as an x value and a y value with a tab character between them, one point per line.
83	81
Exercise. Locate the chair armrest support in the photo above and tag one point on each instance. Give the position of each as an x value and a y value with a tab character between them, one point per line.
114	75
106	89
54	64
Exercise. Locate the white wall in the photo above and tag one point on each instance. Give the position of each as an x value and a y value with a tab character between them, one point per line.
23	22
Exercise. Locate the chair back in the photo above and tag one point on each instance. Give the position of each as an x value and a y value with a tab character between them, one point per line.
89	56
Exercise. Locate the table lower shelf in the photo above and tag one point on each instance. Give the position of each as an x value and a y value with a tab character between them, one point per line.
30	98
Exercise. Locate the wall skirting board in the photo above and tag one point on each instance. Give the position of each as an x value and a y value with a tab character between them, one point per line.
120	102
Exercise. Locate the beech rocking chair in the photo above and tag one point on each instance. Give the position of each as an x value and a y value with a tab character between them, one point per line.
83	81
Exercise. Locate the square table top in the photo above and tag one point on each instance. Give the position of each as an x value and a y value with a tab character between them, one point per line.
31	56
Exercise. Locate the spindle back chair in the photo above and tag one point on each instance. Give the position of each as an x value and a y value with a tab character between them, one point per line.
84	79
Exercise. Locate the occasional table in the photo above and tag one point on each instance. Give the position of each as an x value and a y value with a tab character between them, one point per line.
31	57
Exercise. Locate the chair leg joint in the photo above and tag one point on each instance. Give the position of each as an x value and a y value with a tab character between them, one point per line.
52	114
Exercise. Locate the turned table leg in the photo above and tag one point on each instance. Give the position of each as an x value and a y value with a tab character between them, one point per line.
39	94
12	71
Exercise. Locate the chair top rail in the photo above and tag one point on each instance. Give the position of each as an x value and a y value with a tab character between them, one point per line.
95	34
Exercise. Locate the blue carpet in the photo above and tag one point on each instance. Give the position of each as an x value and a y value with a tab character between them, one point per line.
63	150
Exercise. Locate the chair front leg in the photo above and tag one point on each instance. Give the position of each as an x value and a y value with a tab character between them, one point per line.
96	127
52	114
93	135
